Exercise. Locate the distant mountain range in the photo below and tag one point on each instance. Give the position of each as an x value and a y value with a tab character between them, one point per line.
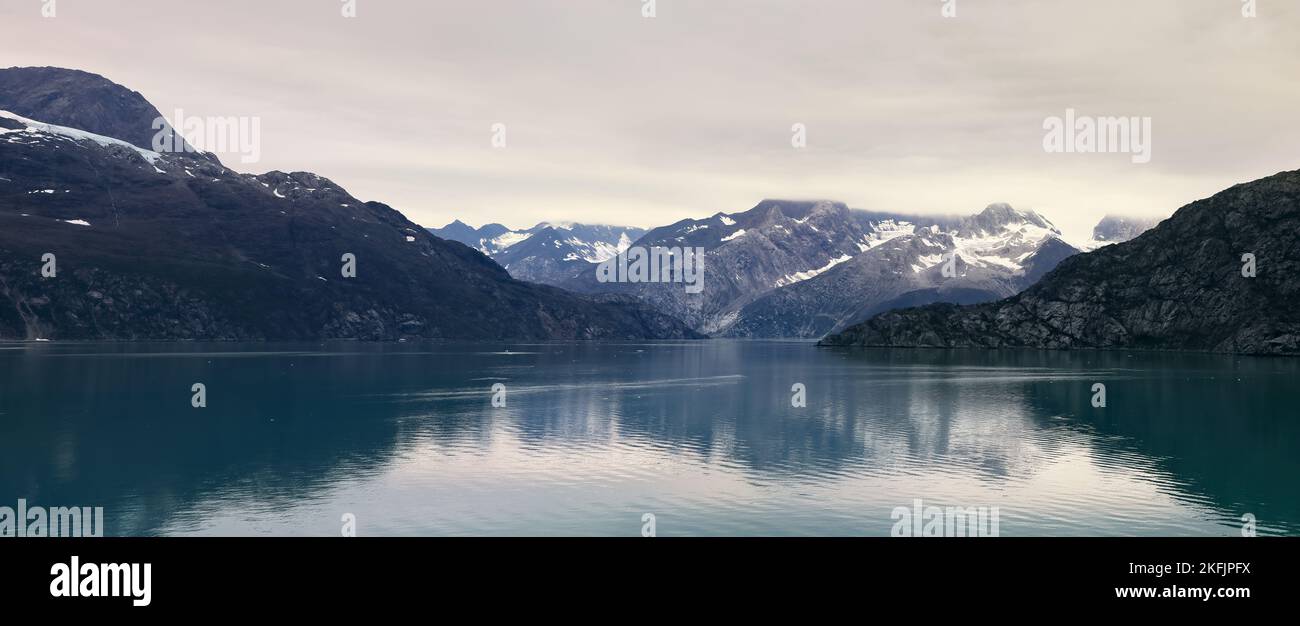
1220	275
802	269
548	253
993	254
151	246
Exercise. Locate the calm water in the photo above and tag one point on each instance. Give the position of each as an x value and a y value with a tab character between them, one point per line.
700	434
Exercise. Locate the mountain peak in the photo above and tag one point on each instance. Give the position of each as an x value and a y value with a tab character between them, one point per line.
458	231
999	209
555	225
999	215
799	206
79	100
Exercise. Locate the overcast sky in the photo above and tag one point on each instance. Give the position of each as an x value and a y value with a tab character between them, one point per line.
617	118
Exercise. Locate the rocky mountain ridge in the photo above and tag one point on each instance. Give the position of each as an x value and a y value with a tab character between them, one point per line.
167	246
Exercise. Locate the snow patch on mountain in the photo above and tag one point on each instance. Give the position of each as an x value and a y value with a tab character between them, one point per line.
790	279
76	135
499	243
999	237
885	230
602	250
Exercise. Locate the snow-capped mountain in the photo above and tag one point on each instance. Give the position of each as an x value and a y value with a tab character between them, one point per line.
991	255
554	254
550	253
802	269
775	244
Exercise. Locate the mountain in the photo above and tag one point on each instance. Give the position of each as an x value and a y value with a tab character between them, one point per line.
1118	229
991	255
803	268
79	100
777	242
152	246
1179	286
464	233
548	253
555	254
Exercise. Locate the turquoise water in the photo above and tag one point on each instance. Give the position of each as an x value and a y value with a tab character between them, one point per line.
595	435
